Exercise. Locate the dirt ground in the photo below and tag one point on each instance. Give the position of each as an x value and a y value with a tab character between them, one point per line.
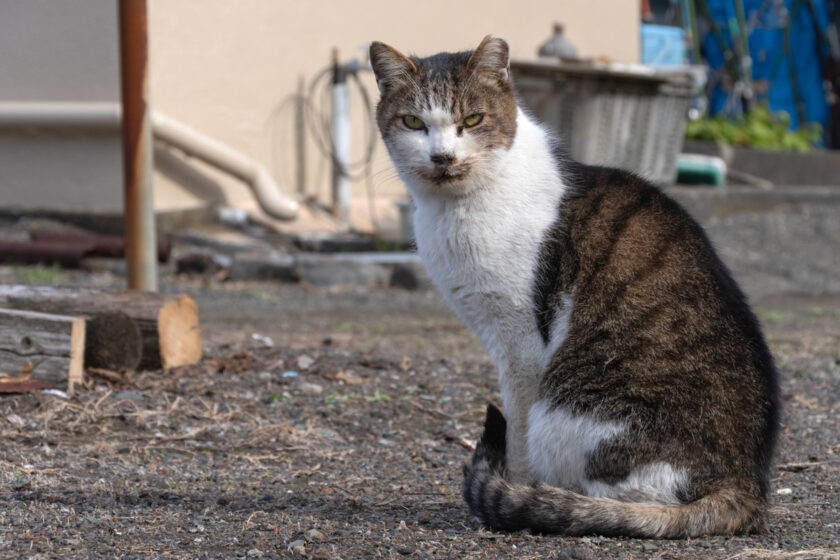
333	424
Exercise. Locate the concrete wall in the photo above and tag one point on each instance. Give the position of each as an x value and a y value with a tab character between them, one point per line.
59	51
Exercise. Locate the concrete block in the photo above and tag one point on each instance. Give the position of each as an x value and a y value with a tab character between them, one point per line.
263	266
325	270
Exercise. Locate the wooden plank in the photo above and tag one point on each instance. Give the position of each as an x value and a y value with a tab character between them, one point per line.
167	324
43	347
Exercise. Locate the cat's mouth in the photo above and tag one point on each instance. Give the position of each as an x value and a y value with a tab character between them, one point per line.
444	176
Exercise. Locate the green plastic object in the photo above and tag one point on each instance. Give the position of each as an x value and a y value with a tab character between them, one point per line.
696	169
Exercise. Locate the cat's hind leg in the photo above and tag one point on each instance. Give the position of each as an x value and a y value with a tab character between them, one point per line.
728	507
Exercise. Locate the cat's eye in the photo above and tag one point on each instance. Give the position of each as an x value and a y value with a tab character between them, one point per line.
473	120
413	122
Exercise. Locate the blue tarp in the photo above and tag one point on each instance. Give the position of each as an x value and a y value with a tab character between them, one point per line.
771	56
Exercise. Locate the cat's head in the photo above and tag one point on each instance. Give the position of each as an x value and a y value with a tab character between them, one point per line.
446	119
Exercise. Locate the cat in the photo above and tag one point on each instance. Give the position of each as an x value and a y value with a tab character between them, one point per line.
640	395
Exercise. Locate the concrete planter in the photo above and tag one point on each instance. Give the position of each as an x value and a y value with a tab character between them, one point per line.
816	168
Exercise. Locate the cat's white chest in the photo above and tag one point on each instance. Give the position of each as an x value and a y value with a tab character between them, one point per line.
482	250
486	277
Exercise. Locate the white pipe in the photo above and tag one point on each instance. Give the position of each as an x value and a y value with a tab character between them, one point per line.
340	130
39	114
167	130
211	151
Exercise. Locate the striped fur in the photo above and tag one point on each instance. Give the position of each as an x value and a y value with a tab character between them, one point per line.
502	505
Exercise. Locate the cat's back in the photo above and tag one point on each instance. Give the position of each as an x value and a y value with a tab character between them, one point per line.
630	238
661	333
645	271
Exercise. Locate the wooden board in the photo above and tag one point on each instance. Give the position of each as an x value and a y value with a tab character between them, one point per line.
167	324
43	347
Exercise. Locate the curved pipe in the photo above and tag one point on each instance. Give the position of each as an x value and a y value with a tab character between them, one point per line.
165	129
215	153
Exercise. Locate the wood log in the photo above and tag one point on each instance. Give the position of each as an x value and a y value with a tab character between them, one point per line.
114	341
43	347
167	324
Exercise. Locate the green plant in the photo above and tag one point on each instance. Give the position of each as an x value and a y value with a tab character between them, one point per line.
336	398
377	397
40	274
758	128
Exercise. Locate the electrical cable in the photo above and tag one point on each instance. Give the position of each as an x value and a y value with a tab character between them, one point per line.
317	124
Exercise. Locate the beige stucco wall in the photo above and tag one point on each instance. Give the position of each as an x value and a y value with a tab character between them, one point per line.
223	67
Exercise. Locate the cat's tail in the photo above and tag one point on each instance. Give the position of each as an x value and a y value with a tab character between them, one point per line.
502	505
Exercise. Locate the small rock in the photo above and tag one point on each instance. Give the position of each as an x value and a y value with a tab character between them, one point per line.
298	547
15	420
133	395
313	535
784	491
20	481
266	340
201	263
310	388
424	517
410	276
255	553
404	549
648	547
305	362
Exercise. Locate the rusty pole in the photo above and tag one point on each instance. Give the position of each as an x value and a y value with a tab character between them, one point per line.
139	215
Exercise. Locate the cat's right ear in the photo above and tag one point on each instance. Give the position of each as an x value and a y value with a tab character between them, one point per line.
389	65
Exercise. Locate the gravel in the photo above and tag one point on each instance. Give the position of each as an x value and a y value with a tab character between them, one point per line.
231	458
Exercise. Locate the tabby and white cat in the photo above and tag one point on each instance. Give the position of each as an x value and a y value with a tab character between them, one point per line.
641	398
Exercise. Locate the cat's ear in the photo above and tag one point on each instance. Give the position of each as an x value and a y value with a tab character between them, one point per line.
491	57
389	65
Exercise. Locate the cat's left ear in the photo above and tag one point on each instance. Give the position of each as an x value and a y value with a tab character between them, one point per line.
492	56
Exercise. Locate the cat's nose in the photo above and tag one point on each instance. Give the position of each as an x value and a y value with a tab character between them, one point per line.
442	159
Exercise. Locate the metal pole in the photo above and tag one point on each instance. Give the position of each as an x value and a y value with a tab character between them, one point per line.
139	214
690	25
340	140
300	137
746	60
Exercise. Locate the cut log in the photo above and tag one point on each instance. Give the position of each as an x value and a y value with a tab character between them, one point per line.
42	347
167	324
114	341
